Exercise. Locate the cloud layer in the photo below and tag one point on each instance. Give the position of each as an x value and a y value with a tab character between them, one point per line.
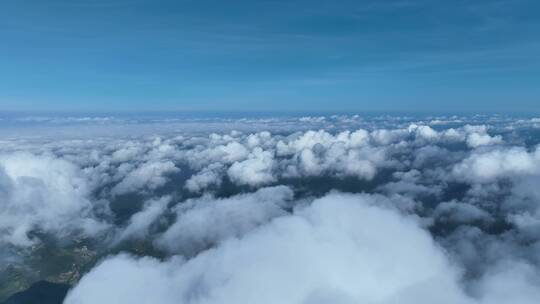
340	209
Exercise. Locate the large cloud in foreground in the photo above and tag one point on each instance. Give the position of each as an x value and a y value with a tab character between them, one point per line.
340	249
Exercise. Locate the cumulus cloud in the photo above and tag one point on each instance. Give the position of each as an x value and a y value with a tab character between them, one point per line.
423	132
321	153
255	170
207	177
150	175
487	165
230	217
43	194
341	249
476	140
458	212
139	223
509	282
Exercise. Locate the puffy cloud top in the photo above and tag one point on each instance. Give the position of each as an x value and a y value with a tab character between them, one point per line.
43	193
340	249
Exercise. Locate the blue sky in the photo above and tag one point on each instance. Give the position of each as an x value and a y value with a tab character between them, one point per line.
337	56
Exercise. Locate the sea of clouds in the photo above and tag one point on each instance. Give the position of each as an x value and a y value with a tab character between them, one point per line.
325	209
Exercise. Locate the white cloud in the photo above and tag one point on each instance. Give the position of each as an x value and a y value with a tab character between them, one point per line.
255	170
139	223
475	140
488	165
457	212
206	221
150	175
205	178
46	194
424	132
339	250
509	282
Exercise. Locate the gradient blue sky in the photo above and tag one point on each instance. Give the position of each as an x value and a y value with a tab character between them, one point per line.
352	55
